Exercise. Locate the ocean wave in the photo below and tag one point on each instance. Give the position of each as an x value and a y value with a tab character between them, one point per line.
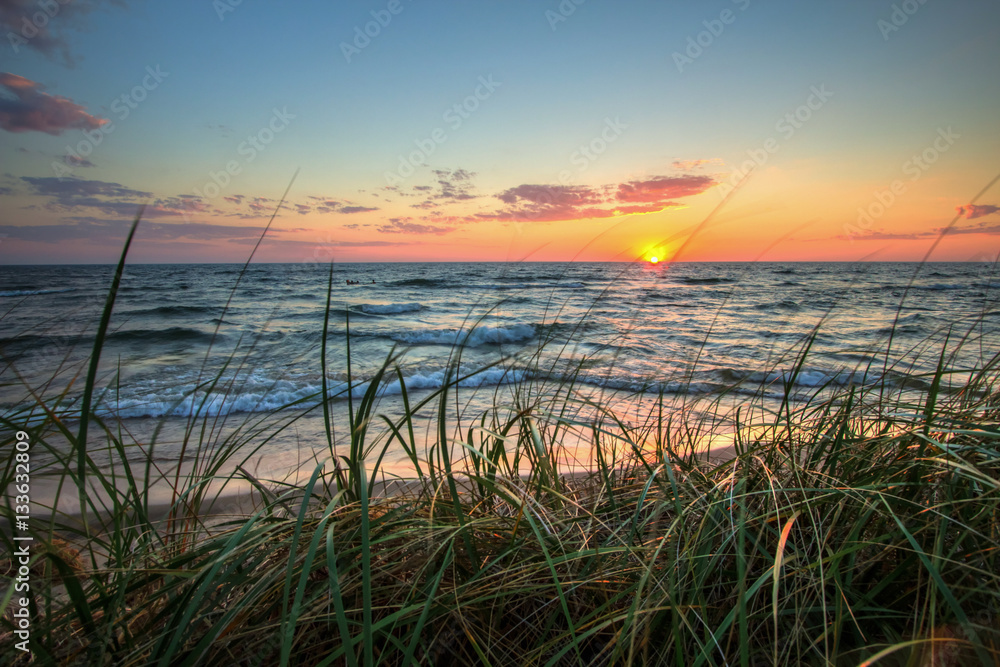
576	284
490	377
172	311
706	281
261	394
34	292
185	402
728	380
171	335
784	304
420	282
486	335
389	308
258	394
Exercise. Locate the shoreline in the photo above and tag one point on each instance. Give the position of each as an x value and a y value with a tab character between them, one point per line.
237	504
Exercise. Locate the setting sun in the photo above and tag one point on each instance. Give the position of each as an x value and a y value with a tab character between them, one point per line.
654	259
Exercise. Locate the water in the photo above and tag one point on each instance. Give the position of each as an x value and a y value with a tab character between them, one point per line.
691	330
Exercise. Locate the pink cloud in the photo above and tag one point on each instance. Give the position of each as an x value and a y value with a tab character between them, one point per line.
973	211
31	110
556	203
663	188
647	208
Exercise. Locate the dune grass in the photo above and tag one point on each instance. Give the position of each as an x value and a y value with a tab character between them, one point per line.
857	525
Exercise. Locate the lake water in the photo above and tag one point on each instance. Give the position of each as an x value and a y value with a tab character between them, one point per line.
205	342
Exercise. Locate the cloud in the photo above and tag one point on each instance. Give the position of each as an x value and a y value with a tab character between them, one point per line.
71	192
311	246
328	205
982	228
663	188
687	165
550	195
550	203
991	230
31	110
77	195
973	211
77	161
97	230
257	207
21	30
555	203
885	236
179	205
455	185
404	226
223	130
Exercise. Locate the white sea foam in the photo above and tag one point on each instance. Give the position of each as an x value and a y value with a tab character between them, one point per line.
486	335
257	394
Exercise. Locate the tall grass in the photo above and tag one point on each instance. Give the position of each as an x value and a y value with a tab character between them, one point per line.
857	525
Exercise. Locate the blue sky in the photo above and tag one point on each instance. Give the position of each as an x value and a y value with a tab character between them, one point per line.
507	177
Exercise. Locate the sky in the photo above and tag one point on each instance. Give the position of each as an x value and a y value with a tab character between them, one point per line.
499	130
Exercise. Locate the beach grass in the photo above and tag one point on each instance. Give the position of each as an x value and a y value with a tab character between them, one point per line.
858	524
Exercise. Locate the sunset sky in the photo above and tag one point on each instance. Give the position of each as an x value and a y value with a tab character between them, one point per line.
488	130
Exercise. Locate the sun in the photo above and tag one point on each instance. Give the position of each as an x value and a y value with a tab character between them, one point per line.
653	254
